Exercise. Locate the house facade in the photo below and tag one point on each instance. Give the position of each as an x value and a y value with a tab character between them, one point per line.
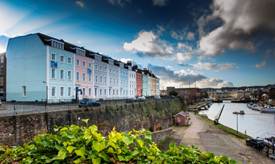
123	80
53	71
145	84
60	68
84	75
139	82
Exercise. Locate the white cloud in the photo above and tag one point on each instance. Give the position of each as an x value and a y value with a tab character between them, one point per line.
149	43
186	77
125	60
241	21
80	3
261	64
213	66
184	54
213	83
160	2
183	57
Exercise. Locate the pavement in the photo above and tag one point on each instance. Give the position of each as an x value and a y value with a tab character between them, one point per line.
207	137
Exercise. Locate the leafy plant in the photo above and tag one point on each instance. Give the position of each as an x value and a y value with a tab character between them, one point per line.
75	144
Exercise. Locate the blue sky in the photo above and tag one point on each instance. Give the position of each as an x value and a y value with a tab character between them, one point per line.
203	43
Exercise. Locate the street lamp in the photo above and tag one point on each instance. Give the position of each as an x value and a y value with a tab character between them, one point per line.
237	120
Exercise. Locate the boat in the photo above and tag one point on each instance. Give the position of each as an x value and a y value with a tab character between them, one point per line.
254	106
241	112
268	110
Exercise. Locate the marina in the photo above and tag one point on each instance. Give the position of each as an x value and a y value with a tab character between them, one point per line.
252	123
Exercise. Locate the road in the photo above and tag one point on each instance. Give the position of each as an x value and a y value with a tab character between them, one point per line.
209	138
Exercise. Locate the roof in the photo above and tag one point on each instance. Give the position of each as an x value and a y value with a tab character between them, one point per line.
182	114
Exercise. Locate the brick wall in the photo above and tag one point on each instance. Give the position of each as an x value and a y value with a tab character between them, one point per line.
150	114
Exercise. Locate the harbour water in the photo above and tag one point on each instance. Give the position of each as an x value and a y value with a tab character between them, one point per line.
253	123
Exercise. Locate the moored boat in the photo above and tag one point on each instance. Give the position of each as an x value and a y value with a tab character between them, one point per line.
254	106
268	110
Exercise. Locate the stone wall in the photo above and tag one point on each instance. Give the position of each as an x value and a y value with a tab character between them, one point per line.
150	114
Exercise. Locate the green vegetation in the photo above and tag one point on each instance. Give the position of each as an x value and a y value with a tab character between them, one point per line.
226	129
232	131
75	144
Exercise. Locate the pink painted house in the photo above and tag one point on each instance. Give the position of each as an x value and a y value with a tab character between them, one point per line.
84	70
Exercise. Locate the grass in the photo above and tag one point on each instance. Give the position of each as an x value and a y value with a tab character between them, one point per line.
225	129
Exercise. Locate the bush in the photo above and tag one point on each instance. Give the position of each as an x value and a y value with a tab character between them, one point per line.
75	144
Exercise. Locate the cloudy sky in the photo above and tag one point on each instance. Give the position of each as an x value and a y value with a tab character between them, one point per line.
198	43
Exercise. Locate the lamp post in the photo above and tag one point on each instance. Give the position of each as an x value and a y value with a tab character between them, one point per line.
46	102
237	120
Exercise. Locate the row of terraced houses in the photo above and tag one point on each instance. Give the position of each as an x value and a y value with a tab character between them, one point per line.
43	68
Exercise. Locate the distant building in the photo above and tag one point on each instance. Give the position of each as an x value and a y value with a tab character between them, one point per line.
272	96
3	76
188	95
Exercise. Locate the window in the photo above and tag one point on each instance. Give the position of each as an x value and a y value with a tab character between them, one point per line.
53	91
69	91
100	79
90	77
53	56
105	92
69	75
77	75
83	64
62	58
77	62
57	44
24	90
96	67
62	74
90	91
90	65
69	60
95	91
96	78
83	77
83	92
100	92
53	73
61	91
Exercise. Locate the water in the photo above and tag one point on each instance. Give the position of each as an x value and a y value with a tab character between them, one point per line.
253	123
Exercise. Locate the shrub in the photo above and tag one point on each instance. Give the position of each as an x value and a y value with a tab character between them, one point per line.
75	144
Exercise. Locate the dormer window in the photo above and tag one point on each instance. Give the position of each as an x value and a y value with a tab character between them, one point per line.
57	44
80	51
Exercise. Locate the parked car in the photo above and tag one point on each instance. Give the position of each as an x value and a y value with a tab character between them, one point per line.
88	102
141	98
256	143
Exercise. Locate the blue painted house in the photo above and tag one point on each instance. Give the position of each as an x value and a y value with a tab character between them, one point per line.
40	68
123	80
145	83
